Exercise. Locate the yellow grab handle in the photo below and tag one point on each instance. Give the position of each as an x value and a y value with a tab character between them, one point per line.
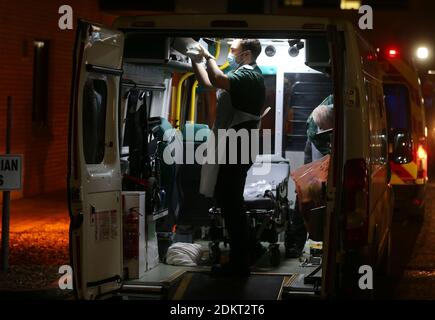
179	88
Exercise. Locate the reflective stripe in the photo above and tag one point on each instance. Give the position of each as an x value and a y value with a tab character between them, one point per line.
403	173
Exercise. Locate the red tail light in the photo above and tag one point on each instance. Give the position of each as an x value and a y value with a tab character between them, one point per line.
392	53
421	153
356	203
421	162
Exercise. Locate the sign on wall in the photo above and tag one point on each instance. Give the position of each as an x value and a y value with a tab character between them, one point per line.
10	172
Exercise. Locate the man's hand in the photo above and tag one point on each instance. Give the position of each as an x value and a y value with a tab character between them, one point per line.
204	52
213	77
197	53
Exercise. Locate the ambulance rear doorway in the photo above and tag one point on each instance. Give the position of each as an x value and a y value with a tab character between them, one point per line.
159	88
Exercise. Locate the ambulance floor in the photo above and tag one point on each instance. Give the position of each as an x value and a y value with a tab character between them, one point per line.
201	286
262	272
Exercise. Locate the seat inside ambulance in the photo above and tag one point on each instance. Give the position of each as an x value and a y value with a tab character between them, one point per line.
161	100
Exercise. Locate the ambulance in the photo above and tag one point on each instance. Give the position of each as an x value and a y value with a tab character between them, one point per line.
134	72
408	132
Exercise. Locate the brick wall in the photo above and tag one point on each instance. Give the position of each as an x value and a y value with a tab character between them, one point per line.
44	149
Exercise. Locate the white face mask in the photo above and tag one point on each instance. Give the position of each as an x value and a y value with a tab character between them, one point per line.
233	65
232	60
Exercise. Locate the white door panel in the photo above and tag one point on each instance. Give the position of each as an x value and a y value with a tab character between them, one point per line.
94	176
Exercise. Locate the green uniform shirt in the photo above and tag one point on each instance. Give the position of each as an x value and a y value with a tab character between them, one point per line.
247	89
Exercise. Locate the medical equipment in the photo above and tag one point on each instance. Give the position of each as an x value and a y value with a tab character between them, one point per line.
266	204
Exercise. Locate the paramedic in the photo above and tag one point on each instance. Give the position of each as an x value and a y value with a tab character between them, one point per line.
240	99
316	147
321	118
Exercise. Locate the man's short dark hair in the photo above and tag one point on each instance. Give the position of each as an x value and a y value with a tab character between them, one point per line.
253	45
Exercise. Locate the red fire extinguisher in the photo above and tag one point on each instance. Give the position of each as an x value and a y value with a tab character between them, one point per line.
131	234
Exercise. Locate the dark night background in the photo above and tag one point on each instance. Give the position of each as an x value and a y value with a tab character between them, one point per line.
39	217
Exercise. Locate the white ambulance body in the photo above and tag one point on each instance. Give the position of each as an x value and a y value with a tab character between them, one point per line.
357	217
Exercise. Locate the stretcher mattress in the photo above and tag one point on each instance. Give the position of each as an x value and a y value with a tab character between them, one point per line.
265	174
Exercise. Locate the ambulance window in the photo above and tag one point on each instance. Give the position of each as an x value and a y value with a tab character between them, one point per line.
397	104
94	120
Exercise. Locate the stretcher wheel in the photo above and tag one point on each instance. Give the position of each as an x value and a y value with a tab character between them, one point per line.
214	253
275	255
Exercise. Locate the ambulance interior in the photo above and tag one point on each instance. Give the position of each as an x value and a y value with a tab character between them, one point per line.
160	97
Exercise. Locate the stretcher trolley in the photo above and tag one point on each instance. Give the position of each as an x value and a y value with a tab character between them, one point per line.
266	204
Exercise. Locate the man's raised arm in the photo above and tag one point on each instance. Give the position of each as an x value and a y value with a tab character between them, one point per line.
201	75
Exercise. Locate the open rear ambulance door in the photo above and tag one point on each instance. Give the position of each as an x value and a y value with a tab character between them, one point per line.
330	269
94	178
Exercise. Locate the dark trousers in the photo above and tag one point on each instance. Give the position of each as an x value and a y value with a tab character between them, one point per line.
229	197
229	189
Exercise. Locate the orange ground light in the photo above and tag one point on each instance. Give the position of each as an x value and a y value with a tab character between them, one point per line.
38	242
